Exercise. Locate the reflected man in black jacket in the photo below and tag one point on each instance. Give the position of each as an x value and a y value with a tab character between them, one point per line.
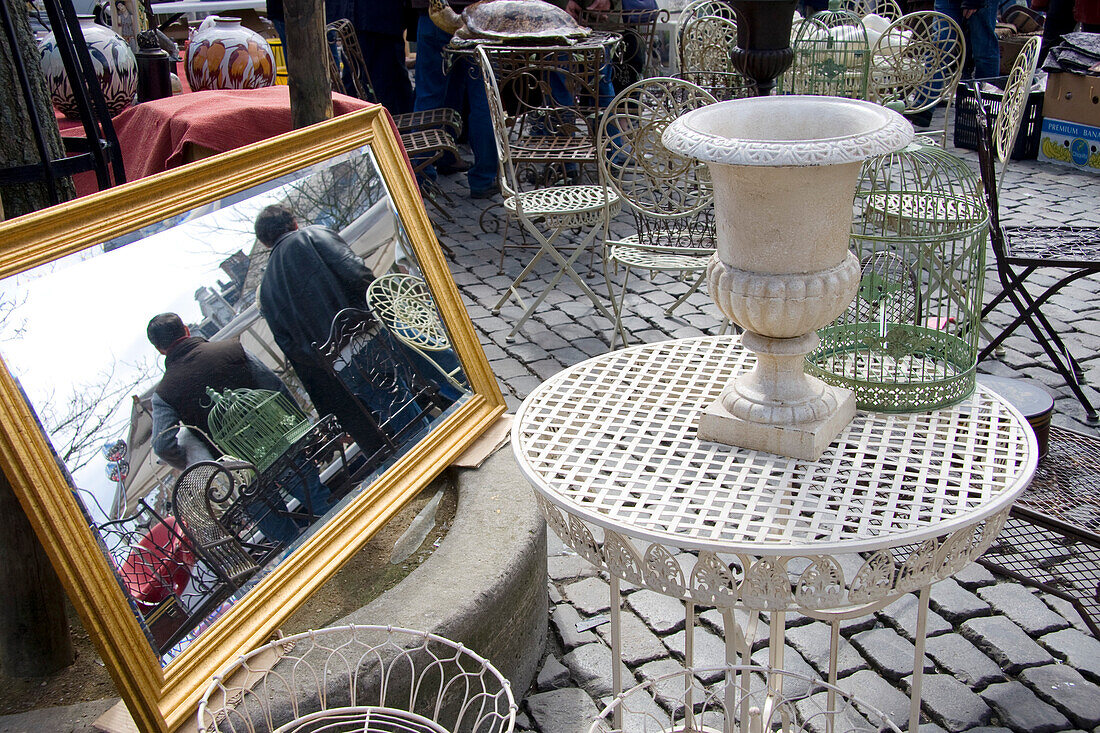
311	276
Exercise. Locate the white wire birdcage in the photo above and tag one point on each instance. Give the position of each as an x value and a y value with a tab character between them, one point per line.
909	341
367	679
255	425
745	699
832	55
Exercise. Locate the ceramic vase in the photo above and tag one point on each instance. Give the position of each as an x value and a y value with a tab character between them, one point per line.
785	171
222	54
112	59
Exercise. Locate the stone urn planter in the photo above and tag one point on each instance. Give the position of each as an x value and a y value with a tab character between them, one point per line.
784	172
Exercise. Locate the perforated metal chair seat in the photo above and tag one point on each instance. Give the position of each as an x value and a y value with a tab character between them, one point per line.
629	251
1056	246
565	206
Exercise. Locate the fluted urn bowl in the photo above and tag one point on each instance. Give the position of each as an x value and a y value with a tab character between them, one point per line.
784	172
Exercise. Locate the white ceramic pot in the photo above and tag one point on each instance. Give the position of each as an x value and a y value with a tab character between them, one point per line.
222	54
784	171
112	59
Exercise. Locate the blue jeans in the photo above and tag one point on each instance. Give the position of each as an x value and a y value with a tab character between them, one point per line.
983	53
434	89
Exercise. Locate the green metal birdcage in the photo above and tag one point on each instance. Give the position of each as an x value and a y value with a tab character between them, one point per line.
909	340
832	55
255	425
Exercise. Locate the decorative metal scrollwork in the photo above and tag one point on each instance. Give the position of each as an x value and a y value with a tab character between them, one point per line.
663	573
621	558
875	579
821	585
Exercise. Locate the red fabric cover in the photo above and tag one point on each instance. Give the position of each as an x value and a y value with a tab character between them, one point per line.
153	134
159	566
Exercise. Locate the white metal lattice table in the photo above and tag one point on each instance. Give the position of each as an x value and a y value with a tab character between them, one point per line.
896	503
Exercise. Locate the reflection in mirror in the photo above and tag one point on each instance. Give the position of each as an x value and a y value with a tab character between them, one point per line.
294	374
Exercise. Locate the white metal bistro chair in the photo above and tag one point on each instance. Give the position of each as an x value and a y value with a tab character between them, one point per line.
698	9
404	305
369	679
556	101
918	61
669	196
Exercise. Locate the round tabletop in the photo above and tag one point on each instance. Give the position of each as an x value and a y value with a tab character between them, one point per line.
612	443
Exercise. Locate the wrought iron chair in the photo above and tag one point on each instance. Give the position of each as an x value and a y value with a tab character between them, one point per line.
160	573
1048	541
636	56
389	398
404	305
200	488
705	44
918	62
692	11
426	135
1021	252
1010	113
669	196
888	9
553	124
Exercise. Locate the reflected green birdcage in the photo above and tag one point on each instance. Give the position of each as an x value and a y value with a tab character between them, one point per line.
909	340
832	55
255	425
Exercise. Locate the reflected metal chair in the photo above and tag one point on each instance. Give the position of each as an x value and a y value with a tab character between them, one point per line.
198	489
918	62
553	123
404	305
1062	254
669	196
386	395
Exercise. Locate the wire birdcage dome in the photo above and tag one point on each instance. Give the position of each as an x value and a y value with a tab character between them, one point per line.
255	425
832	55
909	340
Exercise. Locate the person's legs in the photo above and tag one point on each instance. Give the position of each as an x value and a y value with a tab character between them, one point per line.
384	56
482	175
431	82
981	38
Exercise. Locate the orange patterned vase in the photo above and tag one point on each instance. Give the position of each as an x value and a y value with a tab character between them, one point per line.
224	55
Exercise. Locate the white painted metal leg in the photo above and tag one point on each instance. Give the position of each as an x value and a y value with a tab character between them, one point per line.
918	659
616	648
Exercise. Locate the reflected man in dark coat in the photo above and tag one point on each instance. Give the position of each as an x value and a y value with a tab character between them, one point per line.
312	275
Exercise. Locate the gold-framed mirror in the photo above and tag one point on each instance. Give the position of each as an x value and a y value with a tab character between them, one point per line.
85	276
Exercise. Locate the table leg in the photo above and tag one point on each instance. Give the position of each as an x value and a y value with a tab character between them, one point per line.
834	652
616	648
737	644
689	663
918	659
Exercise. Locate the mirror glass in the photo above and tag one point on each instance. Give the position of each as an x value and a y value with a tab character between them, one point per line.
200	479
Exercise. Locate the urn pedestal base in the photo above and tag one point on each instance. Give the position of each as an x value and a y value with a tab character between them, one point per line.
806	440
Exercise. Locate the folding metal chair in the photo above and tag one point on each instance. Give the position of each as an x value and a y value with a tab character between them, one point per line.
1073	252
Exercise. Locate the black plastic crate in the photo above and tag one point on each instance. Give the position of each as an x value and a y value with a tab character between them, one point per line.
966	120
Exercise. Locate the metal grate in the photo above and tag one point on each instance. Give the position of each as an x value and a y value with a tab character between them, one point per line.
1052	537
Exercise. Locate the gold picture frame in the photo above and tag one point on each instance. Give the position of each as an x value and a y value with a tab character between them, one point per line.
164	699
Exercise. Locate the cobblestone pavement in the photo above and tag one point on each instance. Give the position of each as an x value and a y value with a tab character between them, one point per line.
1000	656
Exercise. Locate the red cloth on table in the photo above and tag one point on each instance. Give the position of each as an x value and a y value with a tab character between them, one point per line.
153	134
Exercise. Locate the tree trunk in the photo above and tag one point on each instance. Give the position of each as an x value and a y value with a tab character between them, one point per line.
34	631
17	146
307	57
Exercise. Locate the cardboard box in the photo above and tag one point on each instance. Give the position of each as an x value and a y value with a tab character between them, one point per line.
1071	144
1073	98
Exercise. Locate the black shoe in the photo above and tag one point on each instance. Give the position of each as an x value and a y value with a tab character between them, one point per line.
485	193
449	169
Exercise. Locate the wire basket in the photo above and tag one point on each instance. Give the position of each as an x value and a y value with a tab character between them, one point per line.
747	699
909	340
367	679
255	425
